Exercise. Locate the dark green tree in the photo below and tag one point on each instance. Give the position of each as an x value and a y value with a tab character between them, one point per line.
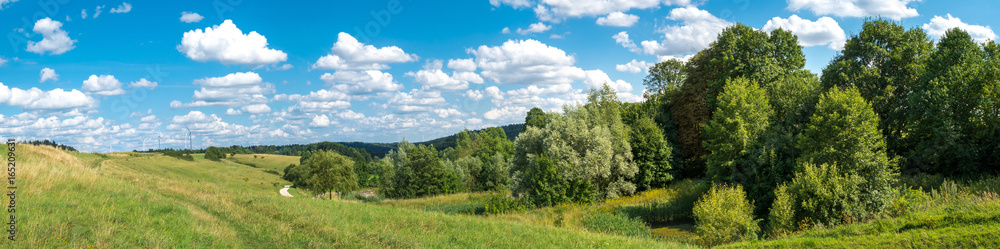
536	118
652	154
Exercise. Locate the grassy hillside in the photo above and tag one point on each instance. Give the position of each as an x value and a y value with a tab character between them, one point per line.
129	200
380	149
265	161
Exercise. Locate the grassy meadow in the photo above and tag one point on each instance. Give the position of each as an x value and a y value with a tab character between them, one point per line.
135	200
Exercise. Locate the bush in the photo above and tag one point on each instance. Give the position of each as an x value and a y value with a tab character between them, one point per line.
271	171
215	154
781	220
178	155
724	215
826	196
616	223
499	204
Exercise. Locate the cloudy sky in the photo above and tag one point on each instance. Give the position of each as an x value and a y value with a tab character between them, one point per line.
116	76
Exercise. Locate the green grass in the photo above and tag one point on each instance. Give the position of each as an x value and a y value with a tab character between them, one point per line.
266	161
162	202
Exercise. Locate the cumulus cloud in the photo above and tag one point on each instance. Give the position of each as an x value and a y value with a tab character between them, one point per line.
823	31
227	44
2	61
558	10
349	54
143	82
317	101
54	39
47	74
361	82
634	66
623	39
415	101
231	90
232	111
105	85
447	113
618	19
526	62
466	65
534	28
348	114
505	112
939	25
433	78
892	9
699	29
190	17
53	100
124	8
320	121
256	109
5	2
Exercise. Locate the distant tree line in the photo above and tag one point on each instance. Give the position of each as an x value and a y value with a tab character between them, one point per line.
52	143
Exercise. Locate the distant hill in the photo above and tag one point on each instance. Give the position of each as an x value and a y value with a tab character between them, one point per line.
380	149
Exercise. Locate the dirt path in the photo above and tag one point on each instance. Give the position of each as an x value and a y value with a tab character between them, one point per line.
284	191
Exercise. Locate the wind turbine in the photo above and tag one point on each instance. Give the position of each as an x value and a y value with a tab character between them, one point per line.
189	136
144	143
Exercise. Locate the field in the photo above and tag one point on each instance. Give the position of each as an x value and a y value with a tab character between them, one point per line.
130	200
85	200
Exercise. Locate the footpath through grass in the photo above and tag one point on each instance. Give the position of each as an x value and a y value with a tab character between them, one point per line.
142	201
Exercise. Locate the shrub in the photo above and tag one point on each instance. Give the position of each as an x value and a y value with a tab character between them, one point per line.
215	154
270	171
616	223
178	155
499	204
781	220
826	196
724	215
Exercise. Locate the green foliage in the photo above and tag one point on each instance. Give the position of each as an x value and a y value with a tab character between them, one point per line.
724	215
843	132
824	195
739	51
781	220
883	62
678	207
178	155
536	118
652	155
501	204
330	172
665	76
418	172
214	153
589	147
743	115
616	223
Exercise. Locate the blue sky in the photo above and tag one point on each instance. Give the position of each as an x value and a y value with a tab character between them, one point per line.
115	76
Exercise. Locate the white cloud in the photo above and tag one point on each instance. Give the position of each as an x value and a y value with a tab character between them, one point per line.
517	4
232	111
618	19
227	44
190	17
506	112
54	39
231	90
47	74
318	101
557	10
105	85
54	100
257	109
634	66
348	114
5	2
143	82
823	31
506	30
623	39
892	9
526	62
349	54
124	8
699	29
474	95
97	11
939	25
534	28
433	78
83	14
361	82
415	101
446	113
467	65
2	61
320	121
231	80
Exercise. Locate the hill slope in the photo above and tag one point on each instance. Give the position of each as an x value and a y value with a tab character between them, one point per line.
128	200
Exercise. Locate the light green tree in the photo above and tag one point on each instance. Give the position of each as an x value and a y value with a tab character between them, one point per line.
743	115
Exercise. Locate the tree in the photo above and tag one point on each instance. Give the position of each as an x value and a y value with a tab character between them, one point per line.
724	215
743	115
665	76
652	155
844	132
588	145
941	122
535	118
331	172
418	171
883	62
215	154
739	51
